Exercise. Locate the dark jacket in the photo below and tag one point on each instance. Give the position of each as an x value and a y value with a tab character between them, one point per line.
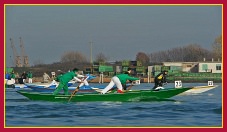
24	75
161	77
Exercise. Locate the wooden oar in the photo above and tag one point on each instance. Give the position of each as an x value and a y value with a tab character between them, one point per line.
76	90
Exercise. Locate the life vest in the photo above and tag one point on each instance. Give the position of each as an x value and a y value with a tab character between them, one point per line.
160	77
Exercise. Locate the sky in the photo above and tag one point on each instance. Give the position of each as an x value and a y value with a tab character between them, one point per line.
119	32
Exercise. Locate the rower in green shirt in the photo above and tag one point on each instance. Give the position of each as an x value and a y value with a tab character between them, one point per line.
29	77
119	80
13	77
64	79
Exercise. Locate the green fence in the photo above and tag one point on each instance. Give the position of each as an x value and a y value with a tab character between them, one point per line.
9	70
125	63
105	68
194	79
140	69
124	69
165	68
157	68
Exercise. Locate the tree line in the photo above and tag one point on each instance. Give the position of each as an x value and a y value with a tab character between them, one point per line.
188	53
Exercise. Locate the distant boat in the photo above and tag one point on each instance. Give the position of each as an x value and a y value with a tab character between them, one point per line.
51	89
53	84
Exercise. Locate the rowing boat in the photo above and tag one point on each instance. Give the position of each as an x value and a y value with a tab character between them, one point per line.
131	95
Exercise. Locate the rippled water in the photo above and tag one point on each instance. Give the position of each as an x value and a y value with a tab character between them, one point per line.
199	110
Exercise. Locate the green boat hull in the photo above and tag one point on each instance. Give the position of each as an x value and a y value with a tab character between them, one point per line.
132	95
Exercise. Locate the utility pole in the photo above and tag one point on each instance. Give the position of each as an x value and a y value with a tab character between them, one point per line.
91	59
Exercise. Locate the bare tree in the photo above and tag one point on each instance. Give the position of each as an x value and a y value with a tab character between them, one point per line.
101	58
73	56
217	48
191	52
143	57
195	52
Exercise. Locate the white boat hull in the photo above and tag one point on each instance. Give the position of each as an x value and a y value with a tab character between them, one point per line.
20	86
198	90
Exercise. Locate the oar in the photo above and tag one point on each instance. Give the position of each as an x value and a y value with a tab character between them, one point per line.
76	90
136	83
129	88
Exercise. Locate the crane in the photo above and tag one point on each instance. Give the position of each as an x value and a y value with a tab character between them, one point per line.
17	59
24	56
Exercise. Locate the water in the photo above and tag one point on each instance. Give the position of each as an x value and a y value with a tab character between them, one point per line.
199	110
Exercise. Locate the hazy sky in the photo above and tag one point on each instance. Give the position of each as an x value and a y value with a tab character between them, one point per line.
119	32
